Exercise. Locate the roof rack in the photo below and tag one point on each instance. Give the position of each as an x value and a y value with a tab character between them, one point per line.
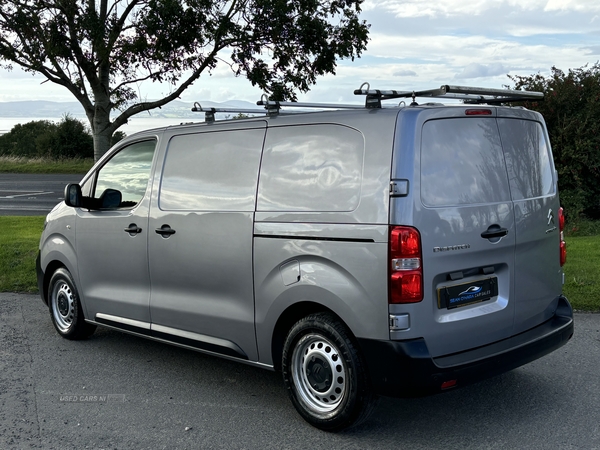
472	95
270	108
374	97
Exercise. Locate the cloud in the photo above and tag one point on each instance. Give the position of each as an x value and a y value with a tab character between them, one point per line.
584	6
476	70
592	50
461	8
405	73
414	44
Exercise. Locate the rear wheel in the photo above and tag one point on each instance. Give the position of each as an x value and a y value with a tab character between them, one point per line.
325	375
65	307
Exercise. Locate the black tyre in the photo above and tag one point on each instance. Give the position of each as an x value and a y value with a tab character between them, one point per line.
65	307
324	374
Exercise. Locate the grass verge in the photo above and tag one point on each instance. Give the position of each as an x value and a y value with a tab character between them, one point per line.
582	273
18	248
13	164
20	237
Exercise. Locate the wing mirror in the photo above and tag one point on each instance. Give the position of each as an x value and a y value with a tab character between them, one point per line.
73	195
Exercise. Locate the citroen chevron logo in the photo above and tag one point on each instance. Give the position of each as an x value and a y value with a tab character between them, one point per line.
550	217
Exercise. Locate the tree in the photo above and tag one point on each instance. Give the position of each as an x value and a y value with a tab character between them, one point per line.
100	50
571	109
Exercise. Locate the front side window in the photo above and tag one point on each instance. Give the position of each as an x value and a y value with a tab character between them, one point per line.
122	181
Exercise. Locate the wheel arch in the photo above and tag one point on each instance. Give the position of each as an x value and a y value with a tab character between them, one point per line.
52	267
288	318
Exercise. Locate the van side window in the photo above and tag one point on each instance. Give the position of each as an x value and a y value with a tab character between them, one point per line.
462	163
527	158
215	171
127	173
311	168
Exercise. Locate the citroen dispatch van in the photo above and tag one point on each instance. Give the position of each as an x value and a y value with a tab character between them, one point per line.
364	251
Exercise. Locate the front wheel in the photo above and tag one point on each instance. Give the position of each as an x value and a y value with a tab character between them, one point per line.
325	375
65	307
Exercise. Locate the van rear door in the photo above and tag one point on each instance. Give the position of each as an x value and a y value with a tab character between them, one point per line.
467	232
533	185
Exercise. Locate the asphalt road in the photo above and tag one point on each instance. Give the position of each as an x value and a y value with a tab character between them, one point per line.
116	391
32	195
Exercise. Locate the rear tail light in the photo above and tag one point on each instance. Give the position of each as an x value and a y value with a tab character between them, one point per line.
406	271
563	244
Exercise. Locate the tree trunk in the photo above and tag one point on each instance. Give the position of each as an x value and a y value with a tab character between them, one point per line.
101	142
102	128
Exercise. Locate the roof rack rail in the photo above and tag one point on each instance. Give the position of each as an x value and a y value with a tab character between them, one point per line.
270	108
472	95
270	103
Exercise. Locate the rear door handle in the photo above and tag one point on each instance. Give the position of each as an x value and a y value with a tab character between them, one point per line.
494	231
133	229
165	231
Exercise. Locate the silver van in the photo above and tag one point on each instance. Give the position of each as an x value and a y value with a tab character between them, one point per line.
361	251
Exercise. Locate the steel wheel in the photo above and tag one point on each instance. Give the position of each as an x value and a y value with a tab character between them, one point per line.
324	373
65	307
319	374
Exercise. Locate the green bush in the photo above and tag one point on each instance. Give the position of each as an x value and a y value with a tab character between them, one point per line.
571	109
68	138
22	139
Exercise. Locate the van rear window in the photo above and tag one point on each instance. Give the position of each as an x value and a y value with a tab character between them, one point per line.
462	162
527	158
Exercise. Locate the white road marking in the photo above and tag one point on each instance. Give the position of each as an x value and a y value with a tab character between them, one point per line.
26	195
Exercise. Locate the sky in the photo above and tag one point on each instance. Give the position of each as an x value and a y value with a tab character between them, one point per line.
414	44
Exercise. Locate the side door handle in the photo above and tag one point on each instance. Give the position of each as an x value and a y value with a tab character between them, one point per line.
133	229
494	231
165	231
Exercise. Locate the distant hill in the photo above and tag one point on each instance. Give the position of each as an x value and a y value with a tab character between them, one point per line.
40	108
56	110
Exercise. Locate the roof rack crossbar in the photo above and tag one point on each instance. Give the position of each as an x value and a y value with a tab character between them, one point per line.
210	111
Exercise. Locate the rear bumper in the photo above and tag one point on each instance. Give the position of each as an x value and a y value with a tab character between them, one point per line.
406	369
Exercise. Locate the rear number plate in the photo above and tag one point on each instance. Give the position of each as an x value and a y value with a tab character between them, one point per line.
467	293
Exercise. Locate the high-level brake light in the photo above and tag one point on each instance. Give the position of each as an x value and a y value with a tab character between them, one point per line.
478	112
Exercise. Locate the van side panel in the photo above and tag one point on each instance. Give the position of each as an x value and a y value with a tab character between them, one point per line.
341	267
321	226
